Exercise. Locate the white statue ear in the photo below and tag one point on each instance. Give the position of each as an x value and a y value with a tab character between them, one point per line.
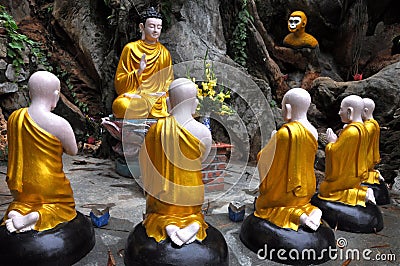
288	112
56	94
195	104
141	27
350	113
365	113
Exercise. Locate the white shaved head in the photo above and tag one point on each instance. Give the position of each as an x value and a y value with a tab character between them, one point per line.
298	98
181	90
369	107
43	84
354	101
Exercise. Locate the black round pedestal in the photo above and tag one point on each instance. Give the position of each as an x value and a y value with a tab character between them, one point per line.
143	250
356	219
65	244
302	247
381	193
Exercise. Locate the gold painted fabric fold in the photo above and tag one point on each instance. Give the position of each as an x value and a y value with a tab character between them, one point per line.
373	155
170	161
155	78
346	167
35	174
288	182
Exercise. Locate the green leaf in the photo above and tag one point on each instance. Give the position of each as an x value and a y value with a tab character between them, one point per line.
16	45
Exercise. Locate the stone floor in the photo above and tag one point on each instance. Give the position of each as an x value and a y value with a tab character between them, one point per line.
96	184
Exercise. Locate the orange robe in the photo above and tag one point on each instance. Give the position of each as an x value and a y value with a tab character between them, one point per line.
170	161
373	156
35	173
286	168
155	78
346	167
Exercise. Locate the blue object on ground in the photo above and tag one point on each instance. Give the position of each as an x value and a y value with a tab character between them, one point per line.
101	218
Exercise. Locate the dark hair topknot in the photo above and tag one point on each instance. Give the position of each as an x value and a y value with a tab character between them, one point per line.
151	12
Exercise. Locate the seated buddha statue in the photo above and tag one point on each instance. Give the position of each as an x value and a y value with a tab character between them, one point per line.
287	184
374	179
347	204
298	38
144	73
171	161
43	199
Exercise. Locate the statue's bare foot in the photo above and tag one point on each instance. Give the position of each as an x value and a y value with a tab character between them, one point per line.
171	232
186	234
191	240
21	223
370	196
9	223
313	220
13	214
10	226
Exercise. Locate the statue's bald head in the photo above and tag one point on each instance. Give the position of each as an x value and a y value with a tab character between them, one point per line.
354	101
369	107
298	98
351	109
182	91
43	84
44	89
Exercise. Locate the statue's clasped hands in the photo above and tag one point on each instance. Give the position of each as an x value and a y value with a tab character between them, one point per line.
330	135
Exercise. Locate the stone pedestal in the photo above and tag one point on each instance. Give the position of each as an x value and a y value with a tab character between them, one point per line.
142	250
355	219
283	245
63	245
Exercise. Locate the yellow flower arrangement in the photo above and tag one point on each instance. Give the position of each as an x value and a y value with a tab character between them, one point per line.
211	96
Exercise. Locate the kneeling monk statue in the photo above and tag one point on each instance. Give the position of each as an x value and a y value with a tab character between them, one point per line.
346	204
287	177
171	161
43	198
374	178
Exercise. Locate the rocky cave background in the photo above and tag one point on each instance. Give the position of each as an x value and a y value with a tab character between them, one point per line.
81	41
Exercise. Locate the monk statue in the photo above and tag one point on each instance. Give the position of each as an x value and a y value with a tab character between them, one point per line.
287	183
144	73
43	197
374	179
298	38
346	164
170	161
346	167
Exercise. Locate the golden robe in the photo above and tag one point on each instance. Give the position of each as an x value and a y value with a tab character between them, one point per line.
155	78
35	174
373	156
288	183
305	40
170	161
346	167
